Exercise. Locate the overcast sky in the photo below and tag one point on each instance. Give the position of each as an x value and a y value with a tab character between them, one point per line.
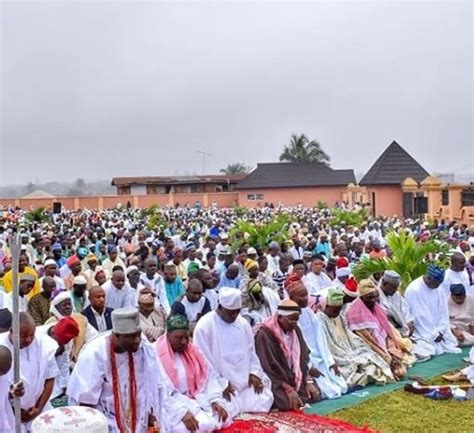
97	90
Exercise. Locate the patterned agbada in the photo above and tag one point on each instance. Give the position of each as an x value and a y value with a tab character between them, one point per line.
357	362
38	307
375	329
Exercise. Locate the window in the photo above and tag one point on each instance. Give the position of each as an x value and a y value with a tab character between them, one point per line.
124	190
254	197
467	197
445	197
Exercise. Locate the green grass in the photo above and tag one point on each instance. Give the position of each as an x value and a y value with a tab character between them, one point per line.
402	412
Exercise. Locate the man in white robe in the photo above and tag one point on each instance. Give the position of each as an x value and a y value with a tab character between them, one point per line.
196	401
7	418
457	274
317	280
227	342
154	282
111	361
399	314
461	315
118	293
429	309
322	364
26	285
38	368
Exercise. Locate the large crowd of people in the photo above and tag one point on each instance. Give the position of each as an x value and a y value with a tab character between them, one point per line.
171	324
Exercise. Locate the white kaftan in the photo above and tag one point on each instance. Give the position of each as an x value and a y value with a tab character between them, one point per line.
230	349
429	309
330	384
91	381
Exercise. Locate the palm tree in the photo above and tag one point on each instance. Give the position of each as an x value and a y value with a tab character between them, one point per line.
300	149
235	168
409	258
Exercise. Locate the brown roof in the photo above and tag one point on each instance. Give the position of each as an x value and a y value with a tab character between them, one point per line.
295	174
393	166
177	180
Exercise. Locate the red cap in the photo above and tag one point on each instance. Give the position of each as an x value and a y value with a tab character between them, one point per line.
65	330
342	262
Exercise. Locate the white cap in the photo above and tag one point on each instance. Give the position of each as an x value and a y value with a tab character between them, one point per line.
50	262
79	280
343	272
224	236
131	268
251	250
125	321
230	298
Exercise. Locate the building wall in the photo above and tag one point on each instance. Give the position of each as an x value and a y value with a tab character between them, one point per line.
388	199
138	190
307	196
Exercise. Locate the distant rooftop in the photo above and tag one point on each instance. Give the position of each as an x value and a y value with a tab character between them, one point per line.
177	180
295	174
38	194
393	166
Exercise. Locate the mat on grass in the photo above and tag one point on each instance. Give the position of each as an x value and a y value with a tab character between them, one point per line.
428	369
290	422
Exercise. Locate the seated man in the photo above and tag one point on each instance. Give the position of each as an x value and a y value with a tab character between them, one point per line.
227	342
429	308
399	315
285	357
196	402
321	362
230	277
316	280
461	314
152	317
369	320
174	286
98	315
357	363
39	304
258	302
192	305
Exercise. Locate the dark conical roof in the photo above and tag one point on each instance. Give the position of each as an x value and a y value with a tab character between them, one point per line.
393	166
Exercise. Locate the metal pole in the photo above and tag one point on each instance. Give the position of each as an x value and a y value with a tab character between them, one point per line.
15	251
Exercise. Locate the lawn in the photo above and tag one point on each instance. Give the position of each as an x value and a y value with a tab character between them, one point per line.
402	412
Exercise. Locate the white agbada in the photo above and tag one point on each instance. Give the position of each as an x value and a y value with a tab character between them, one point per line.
157	286
22	302
126	297
37	364
330	384
212	296
315	283
429	309
453	277
178	402
7	418
230	349
397	310
273	263
91	381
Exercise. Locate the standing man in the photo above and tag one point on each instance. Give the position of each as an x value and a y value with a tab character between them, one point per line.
117	373
38	367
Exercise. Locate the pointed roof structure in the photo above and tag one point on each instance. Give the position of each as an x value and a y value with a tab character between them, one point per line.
393	166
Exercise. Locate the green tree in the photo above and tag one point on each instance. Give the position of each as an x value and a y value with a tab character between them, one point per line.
300	149
409	258
236	168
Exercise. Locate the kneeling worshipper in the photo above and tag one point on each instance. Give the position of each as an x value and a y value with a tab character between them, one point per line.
461	314
7	391
118	374
399	314
38	368
61	306
152	317
370	322
258	302
357	363
284	356
193	304
322	365
196	403
429	308
226	340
